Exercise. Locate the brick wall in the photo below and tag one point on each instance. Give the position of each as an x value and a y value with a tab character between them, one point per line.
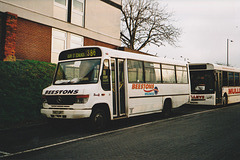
33	41
92	42
10	37
2	34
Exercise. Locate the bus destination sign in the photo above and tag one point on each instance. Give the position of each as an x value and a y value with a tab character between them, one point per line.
80	53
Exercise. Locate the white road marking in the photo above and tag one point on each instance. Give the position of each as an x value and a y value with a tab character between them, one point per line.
5	153
108	132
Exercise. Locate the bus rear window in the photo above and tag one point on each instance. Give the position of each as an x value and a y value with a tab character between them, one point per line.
202	81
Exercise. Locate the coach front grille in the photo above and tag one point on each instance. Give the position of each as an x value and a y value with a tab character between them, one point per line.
61	100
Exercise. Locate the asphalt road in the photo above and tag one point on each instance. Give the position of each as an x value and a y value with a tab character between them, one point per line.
199	133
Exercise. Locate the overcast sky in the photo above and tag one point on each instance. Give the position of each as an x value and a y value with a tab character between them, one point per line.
206	26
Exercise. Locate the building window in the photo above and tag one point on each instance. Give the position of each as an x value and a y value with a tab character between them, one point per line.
78	5
61	2
75	41
71	11
77	15
60	9
62	40
59	43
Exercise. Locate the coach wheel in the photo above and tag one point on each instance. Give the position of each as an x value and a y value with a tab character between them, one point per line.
98	119
167	109
225	100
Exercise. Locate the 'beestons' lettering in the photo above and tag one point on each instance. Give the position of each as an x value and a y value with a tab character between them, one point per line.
61	91
142	86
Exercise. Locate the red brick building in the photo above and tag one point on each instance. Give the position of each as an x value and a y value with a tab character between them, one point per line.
39	30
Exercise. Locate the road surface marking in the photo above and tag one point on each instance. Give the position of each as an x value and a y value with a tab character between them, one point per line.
108	132
5	153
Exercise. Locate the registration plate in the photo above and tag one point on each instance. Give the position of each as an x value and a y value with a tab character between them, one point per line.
58	112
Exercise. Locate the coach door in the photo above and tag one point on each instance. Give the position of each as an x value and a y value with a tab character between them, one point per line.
218	80
118	87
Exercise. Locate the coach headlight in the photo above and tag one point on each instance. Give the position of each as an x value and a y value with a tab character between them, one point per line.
82	98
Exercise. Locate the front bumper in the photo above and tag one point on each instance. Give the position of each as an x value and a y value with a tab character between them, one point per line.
66	114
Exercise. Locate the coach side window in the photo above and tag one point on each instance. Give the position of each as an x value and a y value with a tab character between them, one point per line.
105	77
181	74
158	73
168	74
231	79
236	76
152	72
135	71
225	78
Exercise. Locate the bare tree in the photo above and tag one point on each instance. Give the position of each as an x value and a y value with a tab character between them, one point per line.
144	22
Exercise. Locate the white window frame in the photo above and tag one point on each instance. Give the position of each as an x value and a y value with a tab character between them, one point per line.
64	38
60	5
78	13
78	42
57	51
68	39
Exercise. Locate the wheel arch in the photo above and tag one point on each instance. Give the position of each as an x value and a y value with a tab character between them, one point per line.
104	107
167	107
225	95
167	100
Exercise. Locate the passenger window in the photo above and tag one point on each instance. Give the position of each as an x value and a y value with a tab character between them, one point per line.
152	72
150	76
236	75
182	76
225	79
168	74
135	71
105	77
231	79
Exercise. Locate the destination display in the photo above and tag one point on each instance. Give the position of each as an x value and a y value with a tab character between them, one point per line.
80	53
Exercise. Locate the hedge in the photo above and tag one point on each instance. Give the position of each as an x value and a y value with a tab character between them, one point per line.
21	86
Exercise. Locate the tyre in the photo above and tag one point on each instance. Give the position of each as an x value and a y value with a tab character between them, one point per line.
99	119
167	109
